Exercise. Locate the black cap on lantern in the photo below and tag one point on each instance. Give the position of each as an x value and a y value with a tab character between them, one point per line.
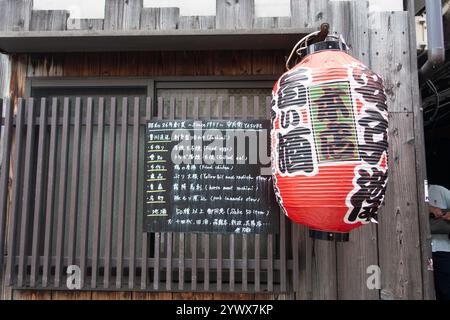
325	45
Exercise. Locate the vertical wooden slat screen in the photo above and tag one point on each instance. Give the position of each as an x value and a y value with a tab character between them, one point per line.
62	193
205	237
51	183
133	193
194	235
16	186
98	192
270	247
86	192
122	192
169	235
38	195
21	278
145	235
158	238
110	192
219	236
75	180
232	237
75	201
4	176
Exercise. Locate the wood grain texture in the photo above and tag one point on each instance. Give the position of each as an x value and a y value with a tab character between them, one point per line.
71	295
309	13
390	57
421	171
122	14
105	295
43	65
5	75
180	63
18	76
343	16
113	14
131	14
197	22
49	20
31	295
305	291
323	269
398	230
160	18
271	22
15	15
235	14
85	24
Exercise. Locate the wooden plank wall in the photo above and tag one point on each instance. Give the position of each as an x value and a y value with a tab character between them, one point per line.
382	40
131	15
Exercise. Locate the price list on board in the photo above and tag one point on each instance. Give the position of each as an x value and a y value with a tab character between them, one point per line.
203	176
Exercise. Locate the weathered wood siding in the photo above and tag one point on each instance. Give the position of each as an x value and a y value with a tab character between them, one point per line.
385	41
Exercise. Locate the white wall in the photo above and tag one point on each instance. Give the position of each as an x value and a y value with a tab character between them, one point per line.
264	8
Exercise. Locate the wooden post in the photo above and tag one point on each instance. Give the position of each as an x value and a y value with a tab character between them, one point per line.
398	230
419	138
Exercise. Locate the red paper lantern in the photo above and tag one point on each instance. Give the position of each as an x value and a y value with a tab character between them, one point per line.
330	142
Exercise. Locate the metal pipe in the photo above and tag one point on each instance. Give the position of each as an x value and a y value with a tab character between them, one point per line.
435	34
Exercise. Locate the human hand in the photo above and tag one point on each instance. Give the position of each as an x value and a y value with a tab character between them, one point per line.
436	212
446	216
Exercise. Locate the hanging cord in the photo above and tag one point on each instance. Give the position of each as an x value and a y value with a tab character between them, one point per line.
436	93
304	45
304	41
433	120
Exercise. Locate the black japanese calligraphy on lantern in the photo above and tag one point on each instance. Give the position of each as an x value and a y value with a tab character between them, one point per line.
375	136
372	174
368	198
295	152
291	91
370	87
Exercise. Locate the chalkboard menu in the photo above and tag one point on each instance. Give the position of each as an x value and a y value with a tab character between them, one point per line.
206	176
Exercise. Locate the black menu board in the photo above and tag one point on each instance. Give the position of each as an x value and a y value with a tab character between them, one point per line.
209	176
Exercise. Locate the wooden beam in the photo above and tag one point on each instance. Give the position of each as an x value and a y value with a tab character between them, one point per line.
148	40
